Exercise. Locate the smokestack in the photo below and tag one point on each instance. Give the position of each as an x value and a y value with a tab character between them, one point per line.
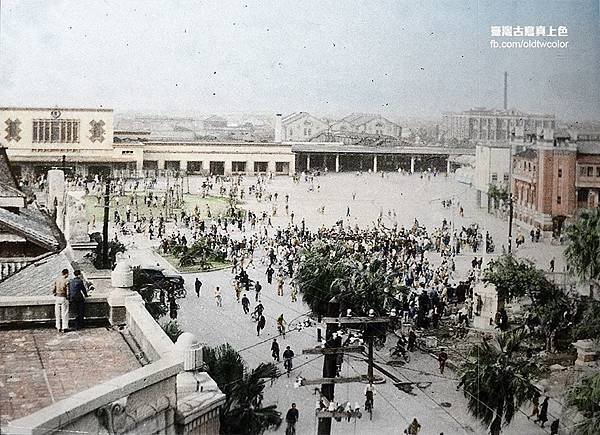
505	90
278	128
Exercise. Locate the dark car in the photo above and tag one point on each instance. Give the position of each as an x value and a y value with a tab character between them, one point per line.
157	276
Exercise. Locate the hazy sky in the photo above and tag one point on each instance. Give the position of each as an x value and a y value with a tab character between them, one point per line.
399	58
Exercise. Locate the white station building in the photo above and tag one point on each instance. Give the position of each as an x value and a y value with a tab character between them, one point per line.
84	140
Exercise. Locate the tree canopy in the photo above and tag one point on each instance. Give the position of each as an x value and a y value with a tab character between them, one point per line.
515	278
497	380
243	411
583	250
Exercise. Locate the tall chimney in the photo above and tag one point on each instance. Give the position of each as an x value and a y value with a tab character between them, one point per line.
278	128
505	90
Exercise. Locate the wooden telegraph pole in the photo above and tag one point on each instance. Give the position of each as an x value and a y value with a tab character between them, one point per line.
105	225
333	347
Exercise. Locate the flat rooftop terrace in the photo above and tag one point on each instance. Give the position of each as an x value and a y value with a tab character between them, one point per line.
41	366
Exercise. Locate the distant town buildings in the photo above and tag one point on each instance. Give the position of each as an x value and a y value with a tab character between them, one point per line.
304	127
480	124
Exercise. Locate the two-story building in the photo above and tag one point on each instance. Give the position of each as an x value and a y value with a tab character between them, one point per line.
553	177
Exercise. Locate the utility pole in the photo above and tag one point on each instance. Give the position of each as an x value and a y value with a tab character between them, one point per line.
105	225
333	347
510	221
329	364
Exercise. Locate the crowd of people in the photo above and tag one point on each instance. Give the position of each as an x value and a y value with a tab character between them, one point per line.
421	260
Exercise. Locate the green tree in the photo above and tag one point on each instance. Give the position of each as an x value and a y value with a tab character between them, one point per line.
515	278
587	322
243	411
583	250
326	271
585	397
172	330
497	380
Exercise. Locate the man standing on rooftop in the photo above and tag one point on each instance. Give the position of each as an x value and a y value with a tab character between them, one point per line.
61	303
77	295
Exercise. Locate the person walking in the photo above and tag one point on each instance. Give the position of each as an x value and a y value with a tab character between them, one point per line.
270	273
257	289
552	265
246	304
260	324
218	297
535	410
413	428
280	286
291	418
60	290
554	427
275	350
198	286
543	416
442	358
77	295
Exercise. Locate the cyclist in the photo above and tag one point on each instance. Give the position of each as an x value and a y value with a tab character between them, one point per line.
288	355
281	325
291	418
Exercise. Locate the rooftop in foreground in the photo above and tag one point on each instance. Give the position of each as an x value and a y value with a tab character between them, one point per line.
41	366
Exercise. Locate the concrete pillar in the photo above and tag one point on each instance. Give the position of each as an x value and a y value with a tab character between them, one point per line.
308	162
250	167
448	166
121	279
271	166
292	166
337	163
375	163
278	128
161	164
183	165
228	167
412	164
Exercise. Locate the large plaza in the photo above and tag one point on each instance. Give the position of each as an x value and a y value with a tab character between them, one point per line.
399	199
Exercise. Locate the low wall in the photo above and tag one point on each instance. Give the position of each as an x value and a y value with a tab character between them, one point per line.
36	310
142	401
148	334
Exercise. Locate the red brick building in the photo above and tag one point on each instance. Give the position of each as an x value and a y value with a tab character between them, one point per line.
555	174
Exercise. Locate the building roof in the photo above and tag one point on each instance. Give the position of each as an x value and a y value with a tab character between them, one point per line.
528	153
7	176
294	116
41	367
588	147
34	225
37	278
215	118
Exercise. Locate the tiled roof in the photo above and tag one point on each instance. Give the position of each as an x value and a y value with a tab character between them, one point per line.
8	191
7	176
529	153
588	147
34	225
37	278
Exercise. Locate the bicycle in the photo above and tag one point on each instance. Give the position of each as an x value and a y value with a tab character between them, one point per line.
290	429
287	364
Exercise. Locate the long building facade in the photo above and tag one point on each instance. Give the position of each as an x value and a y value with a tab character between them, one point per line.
482	124
84	141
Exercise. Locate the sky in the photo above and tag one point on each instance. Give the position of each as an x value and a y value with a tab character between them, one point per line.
397	58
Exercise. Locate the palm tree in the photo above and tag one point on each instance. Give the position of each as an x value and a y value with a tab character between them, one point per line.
585	397
243	412
583	250
497	380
